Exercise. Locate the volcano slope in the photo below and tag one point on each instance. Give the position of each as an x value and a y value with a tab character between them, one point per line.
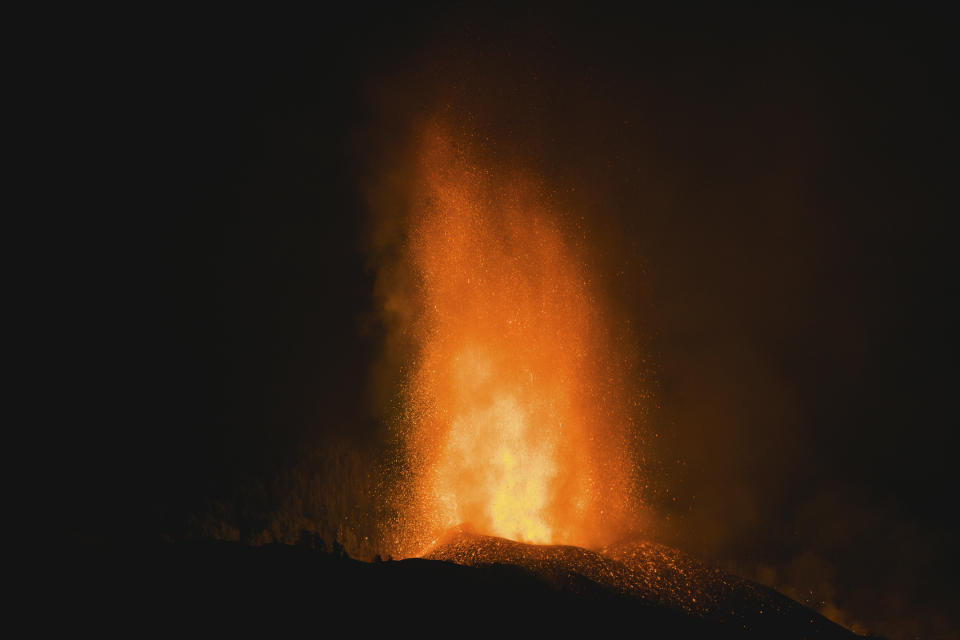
651	575
465	585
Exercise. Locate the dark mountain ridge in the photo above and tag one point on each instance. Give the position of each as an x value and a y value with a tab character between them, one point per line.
465	585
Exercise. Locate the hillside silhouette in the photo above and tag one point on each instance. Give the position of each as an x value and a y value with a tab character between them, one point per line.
466	585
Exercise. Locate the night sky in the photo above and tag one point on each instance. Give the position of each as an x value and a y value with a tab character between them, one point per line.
768	194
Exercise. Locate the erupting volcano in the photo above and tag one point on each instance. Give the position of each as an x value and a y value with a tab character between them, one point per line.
518	421
519	430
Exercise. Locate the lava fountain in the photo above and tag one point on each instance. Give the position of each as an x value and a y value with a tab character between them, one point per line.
517	415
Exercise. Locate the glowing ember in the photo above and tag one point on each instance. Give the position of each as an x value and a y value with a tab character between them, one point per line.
517	416
648	572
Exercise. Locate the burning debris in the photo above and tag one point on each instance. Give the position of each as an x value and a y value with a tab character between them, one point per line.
649	573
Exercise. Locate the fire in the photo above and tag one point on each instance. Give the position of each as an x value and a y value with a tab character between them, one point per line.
517	421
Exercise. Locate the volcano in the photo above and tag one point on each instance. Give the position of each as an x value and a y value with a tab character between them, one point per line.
465	583
652	575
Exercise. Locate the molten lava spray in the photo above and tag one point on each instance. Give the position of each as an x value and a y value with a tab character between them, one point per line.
517	419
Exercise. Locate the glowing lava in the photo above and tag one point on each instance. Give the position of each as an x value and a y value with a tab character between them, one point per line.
518	418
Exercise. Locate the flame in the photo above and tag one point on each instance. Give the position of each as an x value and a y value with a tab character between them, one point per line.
517	424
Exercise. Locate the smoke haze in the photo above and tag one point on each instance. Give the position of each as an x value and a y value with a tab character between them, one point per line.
762	199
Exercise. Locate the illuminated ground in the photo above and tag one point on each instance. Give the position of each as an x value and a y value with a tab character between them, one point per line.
466	586
650	573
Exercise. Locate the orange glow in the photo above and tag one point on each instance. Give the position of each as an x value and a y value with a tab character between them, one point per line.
517	421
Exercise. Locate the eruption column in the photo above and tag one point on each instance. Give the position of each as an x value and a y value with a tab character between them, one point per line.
518	424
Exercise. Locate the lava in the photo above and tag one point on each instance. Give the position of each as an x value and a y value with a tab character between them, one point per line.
517	411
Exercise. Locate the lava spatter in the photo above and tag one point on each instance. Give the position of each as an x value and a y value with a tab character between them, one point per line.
518	416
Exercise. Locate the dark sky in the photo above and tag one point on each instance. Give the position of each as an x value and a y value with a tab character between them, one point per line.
772	188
